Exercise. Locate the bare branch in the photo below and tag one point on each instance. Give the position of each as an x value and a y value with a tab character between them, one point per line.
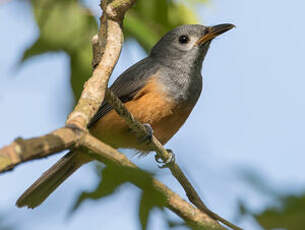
173	201
25	150
110	41
141	131
107	48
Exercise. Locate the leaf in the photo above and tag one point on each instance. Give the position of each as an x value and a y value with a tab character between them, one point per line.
288	212
111	179
65	26
148	21
150	199
290	215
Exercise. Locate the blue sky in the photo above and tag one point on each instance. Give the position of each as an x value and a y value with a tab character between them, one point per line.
250	116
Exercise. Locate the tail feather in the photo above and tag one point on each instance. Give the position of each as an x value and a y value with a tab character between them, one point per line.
50	180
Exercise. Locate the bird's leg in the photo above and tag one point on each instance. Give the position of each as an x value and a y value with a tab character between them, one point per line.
147	139
170	161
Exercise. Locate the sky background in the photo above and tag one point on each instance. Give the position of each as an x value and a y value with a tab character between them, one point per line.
250	117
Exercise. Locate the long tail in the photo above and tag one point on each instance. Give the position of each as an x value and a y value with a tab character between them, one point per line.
51	179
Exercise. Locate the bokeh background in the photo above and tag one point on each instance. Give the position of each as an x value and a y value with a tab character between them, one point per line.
243	145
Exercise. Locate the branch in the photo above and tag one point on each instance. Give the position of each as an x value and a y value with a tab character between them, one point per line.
172	201
25	150
107	48
141	131
110	43
59	140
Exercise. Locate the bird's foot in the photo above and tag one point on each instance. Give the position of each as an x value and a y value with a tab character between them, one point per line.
147	139
169	162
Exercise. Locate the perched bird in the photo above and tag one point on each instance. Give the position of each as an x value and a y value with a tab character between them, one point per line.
160	90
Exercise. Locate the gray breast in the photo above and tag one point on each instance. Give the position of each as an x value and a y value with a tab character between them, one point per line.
183	87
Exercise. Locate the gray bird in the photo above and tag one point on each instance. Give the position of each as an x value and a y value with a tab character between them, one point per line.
160	90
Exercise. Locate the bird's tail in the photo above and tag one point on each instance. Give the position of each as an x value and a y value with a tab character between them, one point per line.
51	179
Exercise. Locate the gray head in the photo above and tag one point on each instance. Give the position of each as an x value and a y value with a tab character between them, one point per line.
186	46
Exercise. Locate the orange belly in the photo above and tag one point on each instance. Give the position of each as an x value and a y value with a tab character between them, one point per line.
150	105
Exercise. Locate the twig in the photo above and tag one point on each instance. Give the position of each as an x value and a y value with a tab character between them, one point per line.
173	201
109	42
25	150
141	131
62	138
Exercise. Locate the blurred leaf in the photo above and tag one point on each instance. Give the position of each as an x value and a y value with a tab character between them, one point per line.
258	181
65	26
113	176
147	21
111	180
290	215
150	199
288	212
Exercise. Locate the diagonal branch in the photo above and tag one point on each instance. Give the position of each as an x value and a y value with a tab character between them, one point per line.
110	43
173	201
141	131
35	148
107	49
62	138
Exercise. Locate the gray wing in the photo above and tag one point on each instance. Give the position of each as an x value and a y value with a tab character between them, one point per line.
127	85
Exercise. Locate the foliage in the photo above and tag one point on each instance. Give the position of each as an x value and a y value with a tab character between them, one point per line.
67	25
286	212
113	177
147	21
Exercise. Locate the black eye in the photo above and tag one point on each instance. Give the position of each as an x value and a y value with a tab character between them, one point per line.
183	39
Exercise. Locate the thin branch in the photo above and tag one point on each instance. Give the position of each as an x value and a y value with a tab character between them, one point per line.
172	201
25	150
63	138
141	131
109	43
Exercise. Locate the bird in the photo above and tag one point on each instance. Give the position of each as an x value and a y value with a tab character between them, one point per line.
161	90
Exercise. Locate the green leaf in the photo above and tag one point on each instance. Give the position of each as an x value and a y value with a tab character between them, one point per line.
148	21
288	211
111	179
65	26
290	214
150	199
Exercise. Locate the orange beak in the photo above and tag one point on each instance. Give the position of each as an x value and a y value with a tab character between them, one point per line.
214	31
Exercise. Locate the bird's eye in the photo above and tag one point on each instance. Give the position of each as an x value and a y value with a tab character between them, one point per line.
183	39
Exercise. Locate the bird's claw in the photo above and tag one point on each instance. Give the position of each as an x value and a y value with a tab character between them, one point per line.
170	161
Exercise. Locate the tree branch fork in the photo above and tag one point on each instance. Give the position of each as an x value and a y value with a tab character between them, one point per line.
106	49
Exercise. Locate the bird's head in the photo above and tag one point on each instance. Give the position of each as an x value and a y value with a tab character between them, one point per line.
187	44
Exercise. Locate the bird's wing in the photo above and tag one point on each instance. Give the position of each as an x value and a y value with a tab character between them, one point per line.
126	86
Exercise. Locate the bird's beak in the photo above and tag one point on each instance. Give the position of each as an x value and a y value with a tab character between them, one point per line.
214	31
